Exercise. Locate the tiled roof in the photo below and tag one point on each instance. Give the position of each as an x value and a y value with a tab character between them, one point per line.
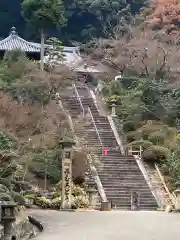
13	41
72	56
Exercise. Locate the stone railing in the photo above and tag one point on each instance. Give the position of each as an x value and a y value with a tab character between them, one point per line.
118	138
97	180
92	118
155	189
148	179
172	197
78	98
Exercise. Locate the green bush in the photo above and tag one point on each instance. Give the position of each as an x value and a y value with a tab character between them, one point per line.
3	189
157	137
5	197
171	167
78	191
81	202
155	154
30	196
56	194
6	182
143	143
7	142
131	136
129	126
55	203
18	198
42	202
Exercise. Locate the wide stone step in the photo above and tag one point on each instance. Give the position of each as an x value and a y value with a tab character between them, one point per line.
124	194
119	186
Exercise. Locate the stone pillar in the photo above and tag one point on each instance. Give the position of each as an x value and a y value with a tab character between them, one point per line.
66	174
66	183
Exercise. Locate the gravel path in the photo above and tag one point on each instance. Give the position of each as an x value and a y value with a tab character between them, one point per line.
115	225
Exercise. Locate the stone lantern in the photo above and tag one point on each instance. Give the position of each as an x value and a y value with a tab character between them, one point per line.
113	103
92	193
7	217
67	147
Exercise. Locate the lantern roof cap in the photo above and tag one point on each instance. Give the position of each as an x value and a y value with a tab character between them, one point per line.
8	204
67	142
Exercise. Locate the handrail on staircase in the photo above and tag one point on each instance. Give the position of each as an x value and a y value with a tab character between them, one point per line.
78	97
89	111
171	196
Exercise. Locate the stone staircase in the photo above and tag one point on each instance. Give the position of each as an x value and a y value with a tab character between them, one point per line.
119	174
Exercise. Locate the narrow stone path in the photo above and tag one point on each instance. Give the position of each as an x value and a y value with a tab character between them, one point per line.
116	225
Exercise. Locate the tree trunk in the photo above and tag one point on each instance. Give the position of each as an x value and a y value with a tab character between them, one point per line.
42	51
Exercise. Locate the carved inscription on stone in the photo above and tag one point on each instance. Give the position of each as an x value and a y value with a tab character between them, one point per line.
66	182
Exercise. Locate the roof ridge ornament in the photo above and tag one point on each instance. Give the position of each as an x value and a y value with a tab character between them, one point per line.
13	32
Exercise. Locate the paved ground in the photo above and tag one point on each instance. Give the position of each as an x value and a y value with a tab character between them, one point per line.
116	225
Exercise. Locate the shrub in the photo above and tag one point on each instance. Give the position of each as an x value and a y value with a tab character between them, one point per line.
155	154
3	189
5	197
55	194
129	126
81	202
143	143
58	187
78	191
172	167
30	196
18	198
42	202
157	137
7	142
131	136
6	183
55	203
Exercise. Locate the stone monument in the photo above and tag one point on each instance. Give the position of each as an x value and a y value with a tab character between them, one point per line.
67	147
113	103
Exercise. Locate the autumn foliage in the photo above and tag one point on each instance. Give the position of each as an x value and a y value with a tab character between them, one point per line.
165	12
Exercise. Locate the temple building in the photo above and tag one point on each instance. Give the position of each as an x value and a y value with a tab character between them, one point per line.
71	57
